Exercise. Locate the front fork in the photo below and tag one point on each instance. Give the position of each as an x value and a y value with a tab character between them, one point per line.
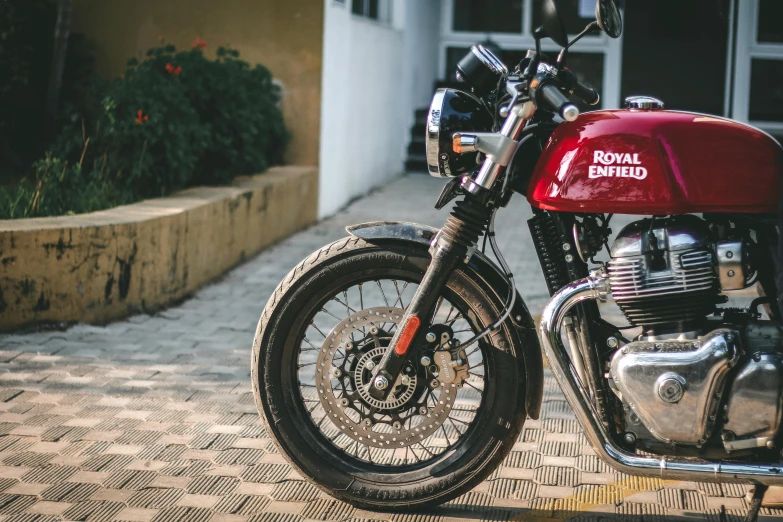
456	240
453	244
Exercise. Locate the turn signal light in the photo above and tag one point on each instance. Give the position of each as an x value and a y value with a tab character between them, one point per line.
407	335
461	143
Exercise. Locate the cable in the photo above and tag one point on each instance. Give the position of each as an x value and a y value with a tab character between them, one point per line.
507	275
510	300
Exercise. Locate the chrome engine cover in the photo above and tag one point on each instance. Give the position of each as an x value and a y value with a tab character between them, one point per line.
755	401
755	406
662	271
674	386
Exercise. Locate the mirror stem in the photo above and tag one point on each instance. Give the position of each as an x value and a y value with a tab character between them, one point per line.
590	28
532	67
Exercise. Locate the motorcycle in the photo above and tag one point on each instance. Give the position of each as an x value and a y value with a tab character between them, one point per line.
395	368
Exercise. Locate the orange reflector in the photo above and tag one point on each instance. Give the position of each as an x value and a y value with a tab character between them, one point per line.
456	143
407	335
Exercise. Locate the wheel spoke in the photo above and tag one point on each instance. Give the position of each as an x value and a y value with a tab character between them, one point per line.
314	349
382	292
399	293
312	323
338	404
468	384
477	348
437	308
324	310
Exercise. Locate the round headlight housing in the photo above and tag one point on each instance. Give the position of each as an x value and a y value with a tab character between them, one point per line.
453	111
481	69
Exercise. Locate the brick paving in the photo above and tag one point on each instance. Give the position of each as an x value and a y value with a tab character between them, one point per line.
152	418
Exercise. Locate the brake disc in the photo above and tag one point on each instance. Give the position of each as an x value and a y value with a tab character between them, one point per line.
415	407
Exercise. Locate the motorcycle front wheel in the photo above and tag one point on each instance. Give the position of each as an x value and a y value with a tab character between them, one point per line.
438	434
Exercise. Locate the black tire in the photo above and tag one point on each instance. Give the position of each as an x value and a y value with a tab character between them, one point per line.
370	486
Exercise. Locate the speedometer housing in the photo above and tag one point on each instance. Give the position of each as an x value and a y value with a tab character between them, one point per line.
453	111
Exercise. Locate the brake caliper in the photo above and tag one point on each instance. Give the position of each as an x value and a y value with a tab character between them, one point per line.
450	360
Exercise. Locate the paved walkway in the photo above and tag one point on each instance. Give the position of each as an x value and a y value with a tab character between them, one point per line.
153	419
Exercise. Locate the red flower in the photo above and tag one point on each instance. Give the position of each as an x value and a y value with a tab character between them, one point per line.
173	70
141	117
198	43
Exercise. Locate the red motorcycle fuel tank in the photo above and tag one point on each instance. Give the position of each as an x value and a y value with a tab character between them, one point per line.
657	162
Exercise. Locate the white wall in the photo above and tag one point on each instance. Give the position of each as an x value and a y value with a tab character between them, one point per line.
370	73
422	47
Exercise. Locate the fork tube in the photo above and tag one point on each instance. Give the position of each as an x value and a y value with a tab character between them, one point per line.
465	225
512	128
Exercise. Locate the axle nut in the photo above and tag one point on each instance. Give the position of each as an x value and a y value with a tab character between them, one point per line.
381	382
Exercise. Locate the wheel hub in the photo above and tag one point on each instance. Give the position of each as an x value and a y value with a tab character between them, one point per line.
345	369
401	392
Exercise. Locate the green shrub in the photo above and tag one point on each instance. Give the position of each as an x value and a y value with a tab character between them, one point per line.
173	120
238	106
57	189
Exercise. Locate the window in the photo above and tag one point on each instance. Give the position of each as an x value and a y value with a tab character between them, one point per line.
379	10
770	29
570	11
766	90
758	68
488	16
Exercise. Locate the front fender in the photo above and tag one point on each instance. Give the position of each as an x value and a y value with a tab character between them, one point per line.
480	266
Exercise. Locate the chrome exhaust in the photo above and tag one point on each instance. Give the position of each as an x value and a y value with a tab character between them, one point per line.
596	287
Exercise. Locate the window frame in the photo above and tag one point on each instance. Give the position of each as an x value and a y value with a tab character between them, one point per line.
746	49
385	12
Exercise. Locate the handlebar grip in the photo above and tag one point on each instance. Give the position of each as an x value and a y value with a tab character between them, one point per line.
558	102
590	96
586	94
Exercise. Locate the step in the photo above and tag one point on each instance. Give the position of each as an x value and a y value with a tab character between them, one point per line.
416	149
416	166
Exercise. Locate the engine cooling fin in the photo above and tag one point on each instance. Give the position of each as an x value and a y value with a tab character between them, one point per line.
663	272
685	292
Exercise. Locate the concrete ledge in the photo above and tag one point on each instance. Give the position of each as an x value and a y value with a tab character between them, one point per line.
105	265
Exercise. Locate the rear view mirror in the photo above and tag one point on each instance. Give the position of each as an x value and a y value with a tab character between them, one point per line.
607	15
553	24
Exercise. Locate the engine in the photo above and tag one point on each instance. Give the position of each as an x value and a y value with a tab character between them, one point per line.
662	273
689	380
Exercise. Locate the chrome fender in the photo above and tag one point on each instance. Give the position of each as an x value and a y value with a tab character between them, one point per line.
480	267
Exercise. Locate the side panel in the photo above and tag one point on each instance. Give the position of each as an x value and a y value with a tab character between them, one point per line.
657	162
481	268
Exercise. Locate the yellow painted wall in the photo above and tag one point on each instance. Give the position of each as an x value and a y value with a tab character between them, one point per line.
106	265
284	35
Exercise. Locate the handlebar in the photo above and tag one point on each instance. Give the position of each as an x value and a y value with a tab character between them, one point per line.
571	84
550	94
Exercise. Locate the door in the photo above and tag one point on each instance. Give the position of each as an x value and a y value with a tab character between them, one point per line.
677	51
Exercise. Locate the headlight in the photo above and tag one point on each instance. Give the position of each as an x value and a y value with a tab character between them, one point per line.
453	111
481	69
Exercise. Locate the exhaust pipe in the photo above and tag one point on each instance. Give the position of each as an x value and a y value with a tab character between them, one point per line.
596	287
